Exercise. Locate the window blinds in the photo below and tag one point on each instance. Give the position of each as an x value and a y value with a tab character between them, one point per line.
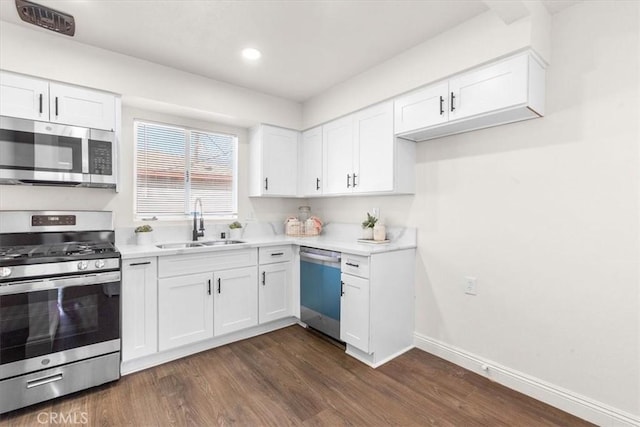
174	166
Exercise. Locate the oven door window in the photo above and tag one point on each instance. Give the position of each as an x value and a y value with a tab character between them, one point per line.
40	152
42	322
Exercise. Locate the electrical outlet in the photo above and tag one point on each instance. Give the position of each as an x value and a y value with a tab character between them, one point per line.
471	287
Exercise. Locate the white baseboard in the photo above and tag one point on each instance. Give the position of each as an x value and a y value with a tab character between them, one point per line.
580	406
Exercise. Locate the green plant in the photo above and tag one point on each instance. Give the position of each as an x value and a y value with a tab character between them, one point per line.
234	225
143	229
370	222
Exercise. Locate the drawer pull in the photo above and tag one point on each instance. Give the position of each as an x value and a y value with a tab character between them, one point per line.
139	263
43	381
277	254
353	265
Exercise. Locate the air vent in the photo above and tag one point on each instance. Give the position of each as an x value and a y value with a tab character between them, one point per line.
45	17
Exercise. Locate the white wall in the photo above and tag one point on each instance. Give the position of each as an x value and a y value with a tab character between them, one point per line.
142	83
544	213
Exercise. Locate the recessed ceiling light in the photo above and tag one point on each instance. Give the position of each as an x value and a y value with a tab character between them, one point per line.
251	54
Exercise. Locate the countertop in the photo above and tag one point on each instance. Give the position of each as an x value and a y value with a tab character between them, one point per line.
321	242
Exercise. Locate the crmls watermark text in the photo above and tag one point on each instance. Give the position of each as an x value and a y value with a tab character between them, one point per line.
63	418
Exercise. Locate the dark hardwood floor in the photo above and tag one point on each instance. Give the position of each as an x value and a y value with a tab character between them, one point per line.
293	377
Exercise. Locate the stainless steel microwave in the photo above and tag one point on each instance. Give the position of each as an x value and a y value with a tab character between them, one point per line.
33	152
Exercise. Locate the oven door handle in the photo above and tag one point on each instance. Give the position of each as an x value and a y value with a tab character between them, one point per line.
59	283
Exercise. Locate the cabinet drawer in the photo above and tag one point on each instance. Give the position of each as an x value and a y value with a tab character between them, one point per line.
175	265
356	265
272	254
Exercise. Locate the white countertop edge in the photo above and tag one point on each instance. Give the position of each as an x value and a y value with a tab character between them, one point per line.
365	249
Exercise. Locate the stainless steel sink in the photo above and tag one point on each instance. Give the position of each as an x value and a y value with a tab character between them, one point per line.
222	242
180	245
198	244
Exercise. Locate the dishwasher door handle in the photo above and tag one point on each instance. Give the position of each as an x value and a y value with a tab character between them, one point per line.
319	257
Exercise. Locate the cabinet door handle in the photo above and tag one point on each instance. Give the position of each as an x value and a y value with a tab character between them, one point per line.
40	103
441	105
56	102
354	180
348	180
209	286
317	183
266	183
353	265
264	278
219	284
139	263
341	288
453	107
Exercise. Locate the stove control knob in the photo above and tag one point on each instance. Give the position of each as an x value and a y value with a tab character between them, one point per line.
82	265
5	271
99	263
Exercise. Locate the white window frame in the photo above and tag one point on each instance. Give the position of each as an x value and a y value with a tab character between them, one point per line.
188	210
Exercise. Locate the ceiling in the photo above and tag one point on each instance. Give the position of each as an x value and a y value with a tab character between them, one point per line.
308	46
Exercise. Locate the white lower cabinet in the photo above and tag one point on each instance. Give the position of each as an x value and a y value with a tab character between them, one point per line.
275	283
274	291
139	308
185	309
354	312
206	294
235	300
376	306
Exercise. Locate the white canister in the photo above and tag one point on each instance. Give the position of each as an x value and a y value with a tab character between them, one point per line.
367	233
235	233
379	232
144	238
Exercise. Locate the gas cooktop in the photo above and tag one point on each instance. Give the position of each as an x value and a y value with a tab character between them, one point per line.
67	251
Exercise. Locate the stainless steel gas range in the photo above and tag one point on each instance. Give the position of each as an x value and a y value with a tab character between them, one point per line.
59	304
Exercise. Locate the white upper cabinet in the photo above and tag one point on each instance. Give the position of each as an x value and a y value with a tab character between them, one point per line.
488	89
23	97
81	107
311	176
505	91
361	154
337	140
374	144
424	107
274	161
36	99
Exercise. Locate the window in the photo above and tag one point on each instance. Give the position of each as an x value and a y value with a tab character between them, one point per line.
174	166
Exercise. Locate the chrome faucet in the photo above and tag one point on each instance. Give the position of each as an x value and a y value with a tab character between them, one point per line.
197	232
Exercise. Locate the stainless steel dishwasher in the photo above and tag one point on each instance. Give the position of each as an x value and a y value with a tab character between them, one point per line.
320	290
